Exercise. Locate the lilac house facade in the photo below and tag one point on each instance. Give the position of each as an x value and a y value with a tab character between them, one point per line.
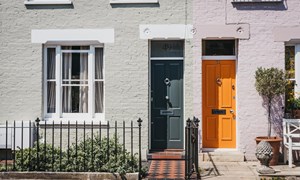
161	60
262	31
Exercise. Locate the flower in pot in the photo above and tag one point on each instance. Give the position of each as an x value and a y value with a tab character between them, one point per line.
270	83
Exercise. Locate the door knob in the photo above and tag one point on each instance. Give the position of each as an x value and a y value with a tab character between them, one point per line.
231	111
167	97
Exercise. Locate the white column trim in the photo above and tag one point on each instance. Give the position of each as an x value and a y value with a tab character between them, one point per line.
66	35
166	31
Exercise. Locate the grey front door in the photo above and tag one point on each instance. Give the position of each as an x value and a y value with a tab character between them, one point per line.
166	104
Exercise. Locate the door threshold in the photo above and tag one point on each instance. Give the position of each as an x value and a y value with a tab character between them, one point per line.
165	150
219	149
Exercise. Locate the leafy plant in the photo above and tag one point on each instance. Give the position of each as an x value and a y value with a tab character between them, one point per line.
29	161
270	82
99	155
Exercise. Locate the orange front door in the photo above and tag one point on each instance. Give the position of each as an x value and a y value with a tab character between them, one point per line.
218	91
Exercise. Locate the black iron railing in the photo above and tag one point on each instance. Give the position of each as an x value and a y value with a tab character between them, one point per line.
79	146
191	149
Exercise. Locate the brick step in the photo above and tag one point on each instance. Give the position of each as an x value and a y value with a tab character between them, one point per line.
230	156
166	155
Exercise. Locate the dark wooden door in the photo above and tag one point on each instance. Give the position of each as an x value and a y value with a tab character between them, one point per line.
167	104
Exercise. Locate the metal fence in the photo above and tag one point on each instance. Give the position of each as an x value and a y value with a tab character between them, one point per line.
64	144
191	149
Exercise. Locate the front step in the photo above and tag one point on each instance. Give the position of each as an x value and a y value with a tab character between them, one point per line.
225	156
166	155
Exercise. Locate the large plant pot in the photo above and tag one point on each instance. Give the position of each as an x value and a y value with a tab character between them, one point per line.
296	114
275	143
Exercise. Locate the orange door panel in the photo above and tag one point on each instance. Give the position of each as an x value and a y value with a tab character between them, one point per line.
218	90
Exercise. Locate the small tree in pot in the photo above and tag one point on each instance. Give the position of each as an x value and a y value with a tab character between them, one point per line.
270	83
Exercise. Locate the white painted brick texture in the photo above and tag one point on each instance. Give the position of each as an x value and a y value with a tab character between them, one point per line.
259	50
126	60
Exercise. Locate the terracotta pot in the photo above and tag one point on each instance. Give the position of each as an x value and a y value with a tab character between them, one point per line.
275	143
296	113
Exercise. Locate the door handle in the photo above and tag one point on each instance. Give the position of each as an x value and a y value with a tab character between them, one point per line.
167	98
231	111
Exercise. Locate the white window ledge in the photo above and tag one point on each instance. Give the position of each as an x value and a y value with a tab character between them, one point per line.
132	1
47	2
64	122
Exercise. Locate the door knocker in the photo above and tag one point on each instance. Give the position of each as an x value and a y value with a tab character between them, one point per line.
167	81
219	81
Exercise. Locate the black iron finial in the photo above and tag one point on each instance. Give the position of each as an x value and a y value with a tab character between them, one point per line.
140	122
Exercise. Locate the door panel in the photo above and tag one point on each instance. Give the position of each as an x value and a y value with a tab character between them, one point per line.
210	88
174	130
166	104
212	124
219	126
226	127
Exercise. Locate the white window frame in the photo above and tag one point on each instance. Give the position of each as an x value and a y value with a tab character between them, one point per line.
47	2
73	117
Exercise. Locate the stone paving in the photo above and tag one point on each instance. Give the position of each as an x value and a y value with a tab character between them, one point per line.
243	170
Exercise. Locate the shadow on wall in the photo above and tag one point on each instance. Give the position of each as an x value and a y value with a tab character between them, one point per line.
277	113
35	7
135	5
275	6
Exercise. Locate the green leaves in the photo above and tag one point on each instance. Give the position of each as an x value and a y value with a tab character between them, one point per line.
91	155
270	82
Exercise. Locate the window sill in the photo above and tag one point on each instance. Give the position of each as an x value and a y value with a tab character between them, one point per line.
48	2
64	122
132	1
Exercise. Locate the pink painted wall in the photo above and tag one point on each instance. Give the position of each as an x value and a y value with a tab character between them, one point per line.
259	50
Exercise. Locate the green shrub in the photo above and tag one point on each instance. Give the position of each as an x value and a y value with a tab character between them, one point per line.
92	155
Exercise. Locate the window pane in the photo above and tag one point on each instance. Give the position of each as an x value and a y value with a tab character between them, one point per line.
51	95
75	99
75	47
166	48
66	82
98	63
98	97
75	66
218	47
290	61
290	71
51	63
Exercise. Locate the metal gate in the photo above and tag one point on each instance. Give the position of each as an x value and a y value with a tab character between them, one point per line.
191	149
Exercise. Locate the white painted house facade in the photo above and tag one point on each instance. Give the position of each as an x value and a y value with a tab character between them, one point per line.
160	60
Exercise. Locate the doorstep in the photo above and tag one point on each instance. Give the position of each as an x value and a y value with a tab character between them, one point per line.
222	156
167	154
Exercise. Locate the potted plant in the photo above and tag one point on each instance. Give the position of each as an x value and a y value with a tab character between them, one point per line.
270	83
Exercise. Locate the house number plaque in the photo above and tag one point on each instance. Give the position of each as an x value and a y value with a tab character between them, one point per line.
218	111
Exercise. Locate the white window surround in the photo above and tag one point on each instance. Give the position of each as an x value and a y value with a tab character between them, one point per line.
44	36
132	1
72	117
47	2
219	57
166	31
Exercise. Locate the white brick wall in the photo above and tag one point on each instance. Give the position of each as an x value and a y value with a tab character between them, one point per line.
126	60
